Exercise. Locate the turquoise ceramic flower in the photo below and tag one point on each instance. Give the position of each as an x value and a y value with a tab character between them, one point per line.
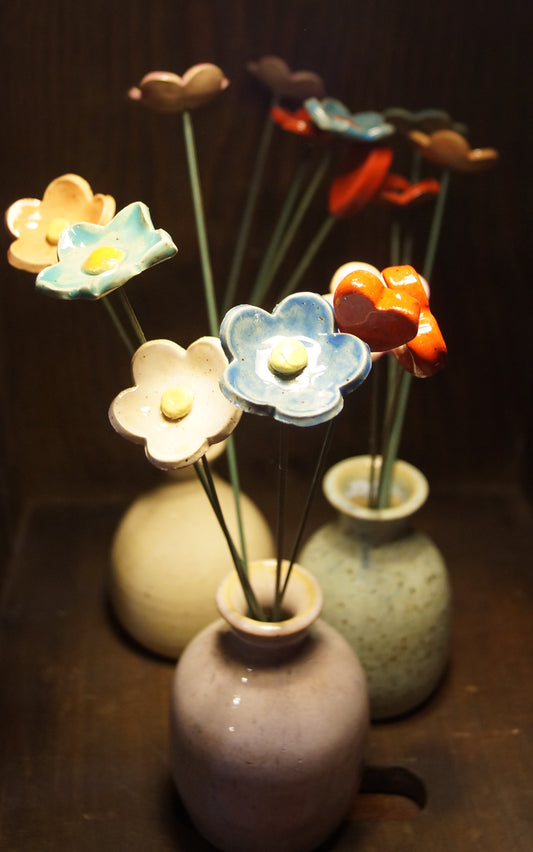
291	364
330	114
95	260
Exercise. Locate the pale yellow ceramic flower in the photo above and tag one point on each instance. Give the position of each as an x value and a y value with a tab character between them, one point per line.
164	91
176	408
38	224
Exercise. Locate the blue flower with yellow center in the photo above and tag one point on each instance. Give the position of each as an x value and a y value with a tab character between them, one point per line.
94	260
291	364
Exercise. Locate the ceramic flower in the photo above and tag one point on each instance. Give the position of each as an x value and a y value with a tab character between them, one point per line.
426	120
396	191
38	224
358	181
290	364
297	121
449	149
276	75
382	308
164	91
365	306
175	408
94	260
426	353
330	114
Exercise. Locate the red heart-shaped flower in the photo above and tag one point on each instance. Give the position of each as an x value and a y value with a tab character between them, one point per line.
366	307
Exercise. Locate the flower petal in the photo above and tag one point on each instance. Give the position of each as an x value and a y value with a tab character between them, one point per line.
335	363
157	366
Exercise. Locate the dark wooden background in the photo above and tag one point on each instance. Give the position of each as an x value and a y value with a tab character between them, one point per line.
66	69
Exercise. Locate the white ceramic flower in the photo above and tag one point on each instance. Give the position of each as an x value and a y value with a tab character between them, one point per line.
176	408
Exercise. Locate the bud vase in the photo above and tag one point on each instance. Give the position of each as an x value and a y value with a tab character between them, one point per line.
169	556
385	585
268	721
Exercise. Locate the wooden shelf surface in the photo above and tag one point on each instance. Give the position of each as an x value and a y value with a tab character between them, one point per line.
83	713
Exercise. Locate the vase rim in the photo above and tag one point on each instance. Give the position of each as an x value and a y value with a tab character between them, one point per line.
340	488
303	599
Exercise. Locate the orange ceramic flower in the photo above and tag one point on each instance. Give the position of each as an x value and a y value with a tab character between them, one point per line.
396	191
425	354
366	307
356	186
276	75
164	91
449	149
38	224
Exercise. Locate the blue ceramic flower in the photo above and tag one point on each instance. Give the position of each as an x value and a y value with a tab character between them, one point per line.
291	364
95	260
330	114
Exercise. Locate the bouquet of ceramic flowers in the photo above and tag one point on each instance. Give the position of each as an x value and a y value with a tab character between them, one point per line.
295	363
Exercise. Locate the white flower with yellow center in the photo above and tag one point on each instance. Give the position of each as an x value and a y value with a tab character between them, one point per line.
176	408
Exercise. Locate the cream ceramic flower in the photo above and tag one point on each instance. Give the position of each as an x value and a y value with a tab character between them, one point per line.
38	224
176	408
164	91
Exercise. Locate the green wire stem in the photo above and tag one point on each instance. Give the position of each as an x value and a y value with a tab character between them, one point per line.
119	327
308	256
210	298
135	324
204	475
249	209
209	289
299	214
263	277
436	225
317	478
280	531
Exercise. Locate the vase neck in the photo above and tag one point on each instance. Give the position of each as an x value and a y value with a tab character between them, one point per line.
270	640
375	531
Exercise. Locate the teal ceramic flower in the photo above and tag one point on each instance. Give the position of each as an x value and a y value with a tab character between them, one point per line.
330	114
94	260
291	364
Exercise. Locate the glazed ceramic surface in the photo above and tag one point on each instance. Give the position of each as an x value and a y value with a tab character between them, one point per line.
169	556
385	586
268	722
263	377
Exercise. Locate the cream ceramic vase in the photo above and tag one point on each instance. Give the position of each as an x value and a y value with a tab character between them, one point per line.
169	556
268	722
385	585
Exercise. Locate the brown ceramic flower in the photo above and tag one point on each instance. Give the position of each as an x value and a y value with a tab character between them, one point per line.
449	149
164	91
276	75
38	224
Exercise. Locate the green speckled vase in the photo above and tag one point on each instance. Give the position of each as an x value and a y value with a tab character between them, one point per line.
385	585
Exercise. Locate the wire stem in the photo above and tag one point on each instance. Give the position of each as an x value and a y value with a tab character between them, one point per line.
119	327
436	225
264	278
204	475
317	477
249	210
194	179
308	256
132	316
299	214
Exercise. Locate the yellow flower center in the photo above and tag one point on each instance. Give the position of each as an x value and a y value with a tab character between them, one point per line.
102	259
288	357
55	228
176	403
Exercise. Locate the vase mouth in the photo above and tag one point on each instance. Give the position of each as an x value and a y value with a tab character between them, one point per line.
302	601
346	486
